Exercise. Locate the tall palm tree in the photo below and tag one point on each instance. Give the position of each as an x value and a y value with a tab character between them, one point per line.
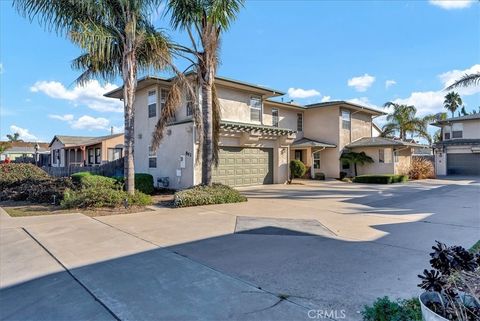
204	21
466	81
15	137
117	39
403	120
452	102
356	158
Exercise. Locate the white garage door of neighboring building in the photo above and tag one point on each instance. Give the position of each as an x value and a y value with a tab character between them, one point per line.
239	166
463	164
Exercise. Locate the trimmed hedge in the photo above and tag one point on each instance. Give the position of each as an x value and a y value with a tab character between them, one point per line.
144	183
14	174
207	195
380	179
320	176
91	197
297	168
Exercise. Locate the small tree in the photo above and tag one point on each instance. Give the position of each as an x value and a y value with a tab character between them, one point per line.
297	169
356	158
15	137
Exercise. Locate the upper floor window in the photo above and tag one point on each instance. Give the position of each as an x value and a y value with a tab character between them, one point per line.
457	130
345	119
255	109
189	105
152	104
299	122
274	117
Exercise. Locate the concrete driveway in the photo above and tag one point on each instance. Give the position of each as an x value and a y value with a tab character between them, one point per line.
290	253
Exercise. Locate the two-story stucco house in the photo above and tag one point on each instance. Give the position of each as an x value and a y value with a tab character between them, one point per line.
458	153
258	138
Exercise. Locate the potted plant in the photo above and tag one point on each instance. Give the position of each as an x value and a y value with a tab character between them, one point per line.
452	285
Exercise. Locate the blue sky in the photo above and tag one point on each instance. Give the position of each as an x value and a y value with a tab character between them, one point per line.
367	52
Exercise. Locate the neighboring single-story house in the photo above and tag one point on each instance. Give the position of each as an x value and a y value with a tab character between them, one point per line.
85	151
390	156
25	152
458	153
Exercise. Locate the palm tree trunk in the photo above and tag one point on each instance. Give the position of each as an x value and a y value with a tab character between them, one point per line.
355	168
207	111
129	87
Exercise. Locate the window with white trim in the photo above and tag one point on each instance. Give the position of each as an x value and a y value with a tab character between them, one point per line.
316	160
345	119
152	158
381	155
275	117
255	109
98	155
300	122
446	132
189	105
152	103
457	130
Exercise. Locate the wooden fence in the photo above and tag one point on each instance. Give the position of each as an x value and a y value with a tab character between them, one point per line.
114	168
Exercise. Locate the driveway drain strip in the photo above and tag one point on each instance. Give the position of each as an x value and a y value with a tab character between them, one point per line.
73	276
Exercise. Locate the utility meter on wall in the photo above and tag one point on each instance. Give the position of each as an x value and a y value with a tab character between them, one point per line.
182	161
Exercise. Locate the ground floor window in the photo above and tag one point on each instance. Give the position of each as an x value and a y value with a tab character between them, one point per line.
298	155
345	165
90	155
114	154
152	158
381	155
316	160
98	155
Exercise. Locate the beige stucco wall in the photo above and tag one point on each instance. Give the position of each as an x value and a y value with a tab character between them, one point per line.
287	118
404	159
361	124
115	142
235	104
376	167
178	140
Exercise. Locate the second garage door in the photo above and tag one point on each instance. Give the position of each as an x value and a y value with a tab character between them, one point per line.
244	166
463	164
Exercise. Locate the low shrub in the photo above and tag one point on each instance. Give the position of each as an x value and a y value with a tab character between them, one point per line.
297	168
383	309
144	183
78	177
421	168
13	174
97	181
206	195
320	176
91	197
380	179
48	190
343	175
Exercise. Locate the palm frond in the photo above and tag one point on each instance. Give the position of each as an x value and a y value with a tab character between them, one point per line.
466	81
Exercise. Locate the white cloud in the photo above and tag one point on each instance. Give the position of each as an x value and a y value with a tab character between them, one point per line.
68	117
361	83
431	102
364	101
326	98
1	68
85	122
90	95
296	93
452	4
90	123
23	132
390	83
118	129
449	77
